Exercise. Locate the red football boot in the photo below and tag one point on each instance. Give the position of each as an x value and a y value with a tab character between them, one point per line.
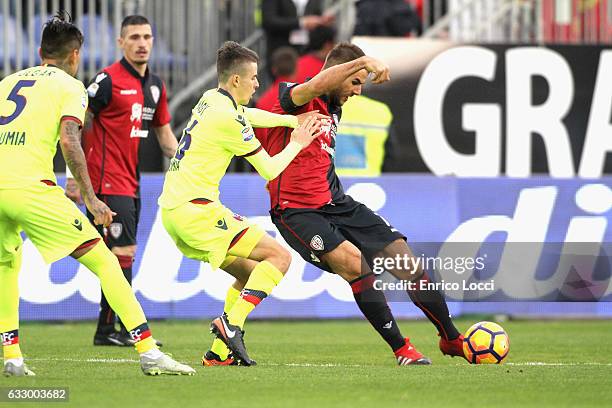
452	347
212	359
408	355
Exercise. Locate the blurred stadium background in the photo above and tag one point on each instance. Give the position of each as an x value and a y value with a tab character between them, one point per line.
500	132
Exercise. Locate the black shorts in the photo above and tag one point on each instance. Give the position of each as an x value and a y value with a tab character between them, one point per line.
122	231
314	232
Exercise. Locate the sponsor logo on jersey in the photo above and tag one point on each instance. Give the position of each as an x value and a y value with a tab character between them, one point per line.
316	243
115	230
221	224
13	138
328	149
92	89
136	132
147	113
247	134
155	93
128	92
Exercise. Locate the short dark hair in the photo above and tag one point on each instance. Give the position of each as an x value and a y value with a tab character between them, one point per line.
230	58
60	37
284	61
133	20
341	53
319	36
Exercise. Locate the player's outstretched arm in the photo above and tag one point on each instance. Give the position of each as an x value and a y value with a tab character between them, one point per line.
270	167
332	77
70	142
260	118
263	119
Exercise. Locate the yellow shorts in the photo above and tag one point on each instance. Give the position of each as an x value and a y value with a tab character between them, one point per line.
52	222
211	232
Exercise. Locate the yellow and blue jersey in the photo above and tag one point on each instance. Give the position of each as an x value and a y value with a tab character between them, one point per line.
33	103
217	131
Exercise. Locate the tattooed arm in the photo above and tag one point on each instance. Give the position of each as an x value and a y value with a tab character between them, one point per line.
72	187
70	142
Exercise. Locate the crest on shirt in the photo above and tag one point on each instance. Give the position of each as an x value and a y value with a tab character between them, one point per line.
155	92
115	230
316	243
247	133
92	89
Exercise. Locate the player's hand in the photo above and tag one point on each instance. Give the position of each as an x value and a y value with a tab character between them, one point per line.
72	190
307	131
102	214
328	19
379	70
310	22
315	113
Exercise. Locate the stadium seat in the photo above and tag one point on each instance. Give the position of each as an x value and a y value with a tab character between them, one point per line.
102	29
162	56
13	53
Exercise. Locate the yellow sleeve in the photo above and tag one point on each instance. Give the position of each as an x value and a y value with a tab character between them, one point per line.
263	119
270	167
237	135
74	103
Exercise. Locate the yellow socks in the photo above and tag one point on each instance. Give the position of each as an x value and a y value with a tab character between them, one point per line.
262	280
101	261
9	308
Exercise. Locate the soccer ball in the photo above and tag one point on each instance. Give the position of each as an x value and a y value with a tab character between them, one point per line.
486	343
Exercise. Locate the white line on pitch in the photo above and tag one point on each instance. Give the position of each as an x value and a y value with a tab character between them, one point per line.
326	365
540	363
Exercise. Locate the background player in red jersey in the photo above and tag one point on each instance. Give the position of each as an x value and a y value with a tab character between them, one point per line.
331	230
126	101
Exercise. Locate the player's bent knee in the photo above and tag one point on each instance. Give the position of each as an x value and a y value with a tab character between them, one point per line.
345	261
282	260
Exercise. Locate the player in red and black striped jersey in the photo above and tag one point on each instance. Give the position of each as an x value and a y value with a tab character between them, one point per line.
126	102
331	230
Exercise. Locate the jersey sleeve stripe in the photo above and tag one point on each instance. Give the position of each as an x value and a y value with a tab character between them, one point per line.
253	152
72	118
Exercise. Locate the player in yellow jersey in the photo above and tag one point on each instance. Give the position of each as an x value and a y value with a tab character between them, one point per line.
38	107
202	228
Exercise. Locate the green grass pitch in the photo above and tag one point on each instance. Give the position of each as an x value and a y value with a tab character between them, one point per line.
327	364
